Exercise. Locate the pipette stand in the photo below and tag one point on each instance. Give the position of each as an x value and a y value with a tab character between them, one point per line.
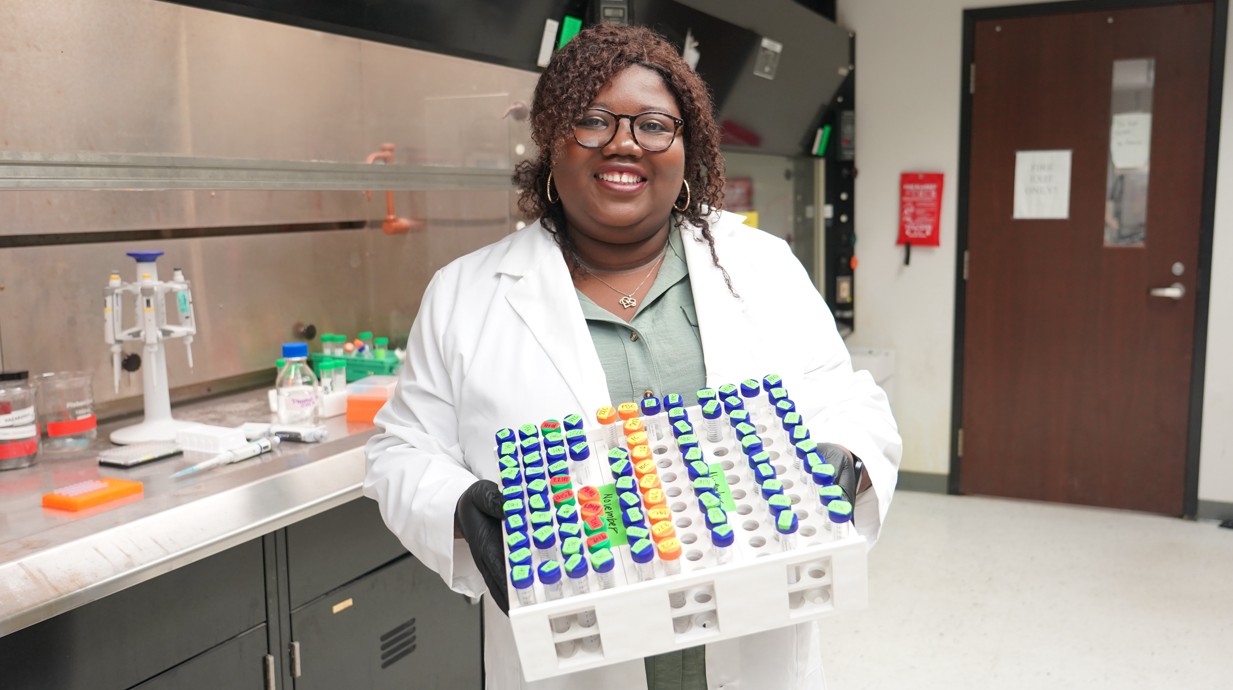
152	330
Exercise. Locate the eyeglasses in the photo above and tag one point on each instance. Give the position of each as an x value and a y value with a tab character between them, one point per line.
652	131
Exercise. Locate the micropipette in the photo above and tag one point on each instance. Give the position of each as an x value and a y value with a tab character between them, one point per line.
250	450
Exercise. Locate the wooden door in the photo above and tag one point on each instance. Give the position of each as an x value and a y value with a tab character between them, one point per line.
1075	379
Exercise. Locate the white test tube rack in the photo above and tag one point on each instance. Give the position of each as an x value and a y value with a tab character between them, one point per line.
748	595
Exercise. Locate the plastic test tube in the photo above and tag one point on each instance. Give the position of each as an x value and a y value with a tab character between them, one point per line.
576	569
827	495
580	453
840	512
651	408
722	537
545	541
607	418
711	412
520	576
786	526
643	553
339	375
670	554
603	563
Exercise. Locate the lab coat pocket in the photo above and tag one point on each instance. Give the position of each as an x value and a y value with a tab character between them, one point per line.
691	315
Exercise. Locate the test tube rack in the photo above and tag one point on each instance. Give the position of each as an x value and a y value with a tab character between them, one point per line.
761	588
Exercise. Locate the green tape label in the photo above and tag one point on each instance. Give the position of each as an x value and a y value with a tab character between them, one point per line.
182	300
721	483
612	515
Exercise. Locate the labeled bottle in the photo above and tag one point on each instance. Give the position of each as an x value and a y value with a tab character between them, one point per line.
366	349
651	408
711	413
840	512
722	538
643	553
604	565
296	387
523	581
381	347
607	418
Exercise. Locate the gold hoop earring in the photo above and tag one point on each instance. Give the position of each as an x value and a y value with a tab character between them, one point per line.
686	206
548	190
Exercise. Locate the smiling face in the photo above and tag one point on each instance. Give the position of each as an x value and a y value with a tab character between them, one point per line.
620	193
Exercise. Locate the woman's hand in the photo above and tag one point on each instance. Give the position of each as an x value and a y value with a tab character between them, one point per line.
849	470
477	519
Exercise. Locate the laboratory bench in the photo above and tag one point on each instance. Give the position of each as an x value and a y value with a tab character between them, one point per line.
274	572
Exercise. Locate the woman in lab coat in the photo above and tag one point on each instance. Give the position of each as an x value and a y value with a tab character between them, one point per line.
549	321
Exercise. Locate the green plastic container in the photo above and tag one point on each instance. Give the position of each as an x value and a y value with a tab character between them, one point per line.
361	367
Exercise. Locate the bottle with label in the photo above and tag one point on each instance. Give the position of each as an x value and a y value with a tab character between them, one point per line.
19	429
296	387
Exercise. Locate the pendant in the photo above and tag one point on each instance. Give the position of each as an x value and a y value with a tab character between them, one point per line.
629	302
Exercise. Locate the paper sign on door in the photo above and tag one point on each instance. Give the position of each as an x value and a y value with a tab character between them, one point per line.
1042	185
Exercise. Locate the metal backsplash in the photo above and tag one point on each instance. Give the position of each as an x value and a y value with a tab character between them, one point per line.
147	77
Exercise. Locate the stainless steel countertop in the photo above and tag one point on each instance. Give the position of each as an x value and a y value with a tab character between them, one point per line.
52	561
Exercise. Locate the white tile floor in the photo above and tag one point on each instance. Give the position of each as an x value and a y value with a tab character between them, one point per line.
984	593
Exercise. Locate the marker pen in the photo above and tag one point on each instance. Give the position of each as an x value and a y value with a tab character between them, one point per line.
550	577
840	513
567	513
573	422
607	418
643	553
711	413
722	537
715	517
545	541
603	563
520	576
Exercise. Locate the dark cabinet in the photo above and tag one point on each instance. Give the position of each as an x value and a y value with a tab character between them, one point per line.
364	612
396	627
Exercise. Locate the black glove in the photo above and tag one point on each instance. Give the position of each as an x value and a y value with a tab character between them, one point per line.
848	469
478	516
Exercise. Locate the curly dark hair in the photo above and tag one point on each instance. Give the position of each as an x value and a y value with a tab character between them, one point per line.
566	88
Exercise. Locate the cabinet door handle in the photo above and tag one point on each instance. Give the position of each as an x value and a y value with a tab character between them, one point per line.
268	661
295	659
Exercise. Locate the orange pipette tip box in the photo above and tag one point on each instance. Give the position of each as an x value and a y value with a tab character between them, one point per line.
90	493
628	410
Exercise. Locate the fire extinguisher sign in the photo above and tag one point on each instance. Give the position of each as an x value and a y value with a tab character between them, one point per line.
920	209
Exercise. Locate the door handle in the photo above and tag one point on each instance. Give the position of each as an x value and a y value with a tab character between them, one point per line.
1174	292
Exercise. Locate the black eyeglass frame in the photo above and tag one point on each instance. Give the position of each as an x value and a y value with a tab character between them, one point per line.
617	127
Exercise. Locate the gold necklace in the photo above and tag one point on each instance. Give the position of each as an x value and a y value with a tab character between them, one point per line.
627	300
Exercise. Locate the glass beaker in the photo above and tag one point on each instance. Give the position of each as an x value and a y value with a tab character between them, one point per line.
66	410
19	429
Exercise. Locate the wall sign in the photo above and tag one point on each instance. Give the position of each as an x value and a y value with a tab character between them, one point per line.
1042	185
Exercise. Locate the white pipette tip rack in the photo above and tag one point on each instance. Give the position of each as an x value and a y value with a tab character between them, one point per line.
761	588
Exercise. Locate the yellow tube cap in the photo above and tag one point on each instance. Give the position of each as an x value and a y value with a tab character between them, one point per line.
669	549
633	426
627	410
663	530
606	415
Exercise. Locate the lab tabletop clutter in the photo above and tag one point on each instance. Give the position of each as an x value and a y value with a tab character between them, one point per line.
663	527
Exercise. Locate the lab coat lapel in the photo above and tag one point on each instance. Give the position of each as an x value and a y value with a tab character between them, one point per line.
544	298
722	319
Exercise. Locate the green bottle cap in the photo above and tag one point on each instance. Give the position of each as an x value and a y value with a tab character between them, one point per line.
280	363
381	342
366	335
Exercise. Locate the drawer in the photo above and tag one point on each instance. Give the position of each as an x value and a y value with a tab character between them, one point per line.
236	664
333	548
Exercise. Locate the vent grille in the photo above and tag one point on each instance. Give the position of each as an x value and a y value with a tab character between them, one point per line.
397	643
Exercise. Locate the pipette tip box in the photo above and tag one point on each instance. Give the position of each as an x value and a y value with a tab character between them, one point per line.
90	493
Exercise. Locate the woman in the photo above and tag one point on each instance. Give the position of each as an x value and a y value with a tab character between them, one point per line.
631	283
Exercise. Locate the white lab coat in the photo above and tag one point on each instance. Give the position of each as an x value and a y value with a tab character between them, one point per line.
500	340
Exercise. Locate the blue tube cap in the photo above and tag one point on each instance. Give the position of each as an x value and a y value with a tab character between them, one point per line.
771	487
633	518
651	406
622	468
509	462
686	442
677	414
673	401
732	403
777	504
532	473
750	388
565	530
520	576
744	429
716	517
722	535
506	436
799	433
706	394
728	389
549	572
580	451
573	422
760	457
787	522
516	540
823	474
751	445
617	454
567	513
553	438
738	417
511	477
840	511
709	502
295	350
682	428
529	445
629	499
576	566
560	468
642	551
704	485
520	557
698	469
777	394
145	257
783	407
527	431
515	523
602	561
771	382
544	537
693	455
509	493
508	448
764	472
711	409
804	448
556	454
